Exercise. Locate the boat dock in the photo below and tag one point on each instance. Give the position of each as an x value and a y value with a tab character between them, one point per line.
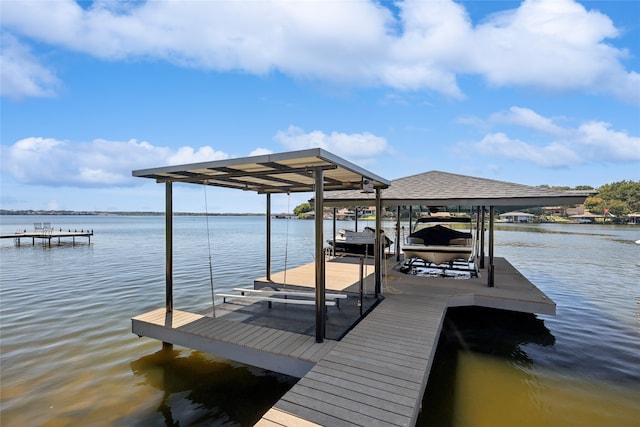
45	233
377	372
370	360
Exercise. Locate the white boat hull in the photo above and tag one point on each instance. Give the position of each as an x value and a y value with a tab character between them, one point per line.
438	254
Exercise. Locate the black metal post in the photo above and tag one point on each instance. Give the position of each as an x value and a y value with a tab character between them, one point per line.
356	226
169	245
334	232
398	234
491	244
268	266
410	219
361	302
377	253
482	238
320	283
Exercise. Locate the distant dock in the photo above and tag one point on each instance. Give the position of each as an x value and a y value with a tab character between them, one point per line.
45	233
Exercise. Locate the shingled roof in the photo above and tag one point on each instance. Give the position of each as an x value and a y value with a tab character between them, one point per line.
435	188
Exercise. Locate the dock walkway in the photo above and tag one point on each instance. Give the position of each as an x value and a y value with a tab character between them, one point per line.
378	371
376	375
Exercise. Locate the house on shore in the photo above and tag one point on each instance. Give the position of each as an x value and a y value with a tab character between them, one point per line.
516	217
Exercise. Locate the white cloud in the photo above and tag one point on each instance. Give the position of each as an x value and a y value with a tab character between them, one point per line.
103	163
260	152
99	163
602	142
550	44
552	155
187	154
528	118
542	37
357	147
21	74
589	142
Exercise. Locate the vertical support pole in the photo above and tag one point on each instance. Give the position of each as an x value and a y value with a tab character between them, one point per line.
477	239
356	226
168	218
482	209
320	283
268	249
333	251
491	243
361	300
398	234
410	219
377	252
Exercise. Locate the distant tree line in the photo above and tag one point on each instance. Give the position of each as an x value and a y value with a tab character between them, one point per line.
618	198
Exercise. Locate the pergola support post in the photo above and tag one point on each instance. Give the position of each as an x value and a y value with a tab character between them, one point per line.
319	250
169	246
268	249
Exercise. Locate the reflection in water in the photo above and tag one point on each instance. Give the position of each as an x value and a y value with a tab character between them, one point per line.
67	347
487	373
489	392
199	389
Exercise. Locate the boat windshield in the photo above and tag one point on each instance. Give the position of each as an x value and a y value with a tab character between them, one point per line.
449	222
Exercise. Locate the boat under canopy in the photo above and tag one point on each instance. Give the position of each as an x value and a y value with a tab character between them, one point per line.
358	242
436	242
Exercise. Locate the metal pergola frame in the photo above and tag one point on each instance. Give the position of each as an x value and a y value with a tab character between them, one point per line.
314	170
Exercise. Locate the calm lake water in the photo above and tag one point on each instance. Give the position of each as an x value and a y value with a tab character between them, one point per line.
68	356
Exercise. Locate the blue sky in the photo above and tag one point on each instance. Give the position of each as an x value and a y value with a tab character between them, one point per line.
534	92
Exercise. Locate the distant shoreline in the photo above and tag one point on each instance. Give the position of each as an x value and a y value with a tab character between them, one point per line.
117	213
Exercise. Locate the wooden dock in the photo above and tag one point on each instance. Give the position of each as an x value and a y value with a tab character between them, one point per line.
273	349
377	373
47	236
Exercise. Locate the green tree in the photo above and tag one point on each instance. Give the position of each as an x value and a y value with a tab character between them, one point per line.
617	207
624	191
302	208
594	205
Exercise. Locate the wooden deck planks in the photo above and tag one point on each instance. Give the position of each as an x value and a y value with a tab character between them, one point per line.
374	379
359	395
276	417
248	343
377	374
338	276
374	382
329	407
372	389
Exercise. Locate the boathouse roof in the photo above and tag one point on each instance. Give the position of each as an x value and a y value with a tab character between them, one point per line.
289	172
436	188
